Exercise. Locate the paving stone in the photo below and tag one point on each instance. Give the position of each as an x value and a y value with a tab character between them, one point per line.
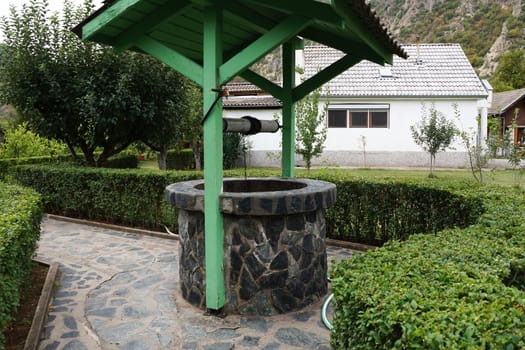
53	346
70	322
73	334
219	346
250	341
272	346
297	337
75	345
259	324
108	312
137	311
116	334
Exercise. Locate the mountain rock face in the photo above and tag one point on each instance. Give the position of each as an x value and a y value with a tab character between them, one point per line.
484	28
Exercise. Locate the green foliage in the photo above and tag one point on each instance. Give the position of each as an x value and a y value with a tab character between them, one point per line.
231	145
21	212
458	289
9	162
180	160
310	133
510	74
20	142
374	212
123	161
434	133
88	96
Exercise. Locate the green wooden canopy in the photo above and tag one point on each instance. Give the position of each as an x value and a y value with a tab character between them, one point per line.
212	41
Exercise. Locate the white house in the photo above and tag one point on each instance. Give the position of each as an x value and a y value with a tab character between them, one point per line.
371	108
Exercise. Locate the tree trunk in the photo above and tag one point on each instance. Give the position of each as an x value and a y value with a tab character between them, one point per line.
163	157
196	147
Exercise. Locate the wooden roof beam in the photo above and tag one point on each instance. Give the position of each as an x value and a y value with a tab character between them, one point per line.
281	33
115	10
148	23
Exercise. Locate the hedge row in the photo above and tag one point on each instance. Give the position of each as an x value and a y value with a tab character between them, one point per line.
458	289
365	211
20	215
180	160
9	162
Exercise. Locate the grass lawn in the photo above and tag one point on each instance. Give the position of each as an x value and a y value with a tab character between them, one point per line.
499	176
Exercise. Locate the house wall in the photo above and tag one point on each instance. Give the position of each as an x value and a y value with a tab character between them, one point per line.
510	114
385	147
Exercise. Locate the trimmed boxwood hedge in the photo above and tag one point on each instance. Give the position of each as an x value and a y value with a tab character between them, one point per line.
457	289
20	216
458	286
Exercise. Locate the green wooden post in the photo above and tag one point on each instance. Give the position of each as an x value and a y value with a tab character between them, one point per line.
213	222
288	136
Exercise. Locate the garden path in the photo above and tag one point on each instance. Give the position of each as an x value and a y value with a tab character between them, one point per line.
119	290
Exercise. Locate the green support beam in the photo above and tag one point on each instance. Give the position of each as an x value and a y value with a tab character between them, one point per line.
284	31
213	173
288	111
355	24
172	58
153	20
263	83
313	9
102	20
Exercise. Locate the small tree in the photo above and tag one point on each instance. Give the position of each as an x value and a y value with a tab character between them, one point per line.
21	142
477	154
433	133
310	132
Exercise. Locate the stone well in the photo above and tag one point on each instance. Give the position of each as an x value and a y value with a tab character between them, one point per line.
274	242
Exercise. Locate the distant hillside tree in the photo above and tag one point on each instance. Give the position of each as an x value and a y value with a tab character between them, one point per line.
433	133
510	74
90	97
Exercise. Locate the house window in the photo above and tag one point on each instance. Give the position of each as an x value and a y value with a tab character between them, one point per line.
337	118
358	119
359	116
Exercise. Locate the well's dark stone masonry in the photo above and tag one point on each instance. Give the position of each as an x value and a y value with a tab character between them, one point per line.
273	262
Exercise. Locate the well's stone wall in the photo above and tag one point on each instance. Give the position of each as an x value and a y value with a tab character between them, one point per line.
274	247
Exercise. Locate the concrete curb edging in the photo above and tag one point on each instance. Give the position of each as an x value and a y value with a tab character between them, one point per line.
114	227
39	319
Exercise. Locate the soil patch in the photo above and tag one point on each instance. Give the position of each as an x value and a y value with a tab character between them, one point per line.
18	330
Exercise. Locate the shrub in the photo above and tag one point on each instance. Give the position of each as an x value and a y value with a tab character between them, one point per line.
119	196
8	162
123	161
20	217
458	289
180	160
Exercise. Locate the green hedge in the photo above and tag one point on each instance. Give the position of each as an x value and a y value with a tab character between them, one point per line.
180	160
457	289
9	162
119	196
20	216
123	161
376	211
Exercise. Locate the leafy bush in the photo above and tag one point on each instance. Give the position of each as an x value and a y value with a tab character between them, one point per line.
122	161
120	196
458	289
180	160
21	142
8	162
21	212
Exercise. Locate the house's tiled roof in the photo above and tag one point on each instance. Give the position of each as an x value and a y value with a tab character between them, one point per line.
432	70
251	102
502	101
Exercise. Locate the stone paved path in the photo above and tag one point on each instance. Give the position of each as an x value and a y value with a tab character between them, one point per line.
120	290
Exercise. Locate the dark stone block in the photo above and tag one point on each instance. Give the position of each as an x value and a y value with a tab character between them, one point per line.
311	217
195	297
280	262
254	266
236	239
281	207
291	238
266	204
273	227
295	251
309	204
235	261
263	252
308	243
245	205
273	280
296	204
248	285
306	260
248	228
295	222
319	199
283	301
245	248
307	276
296	287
